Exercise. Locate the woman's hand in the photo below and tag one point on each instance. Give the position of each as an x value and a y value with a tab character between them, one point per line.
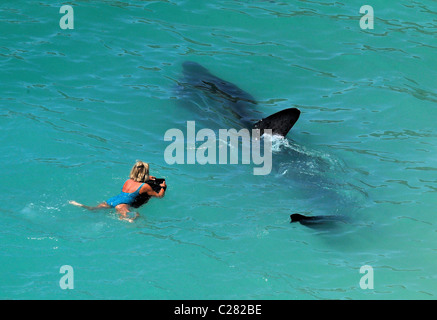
152	178
163	184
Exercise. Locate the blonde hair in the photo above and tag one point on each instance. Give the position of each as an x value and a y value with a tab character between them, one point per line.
140	172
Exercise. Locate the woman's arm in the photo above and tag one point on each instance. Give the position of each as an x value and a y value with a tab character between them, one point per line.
147	189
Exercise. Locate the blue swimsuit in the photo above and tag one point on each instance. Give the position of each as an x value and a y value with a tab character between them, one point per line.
126	198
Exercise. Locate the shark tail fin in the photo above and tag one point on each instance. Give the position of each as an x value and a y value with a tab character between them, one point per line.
280	122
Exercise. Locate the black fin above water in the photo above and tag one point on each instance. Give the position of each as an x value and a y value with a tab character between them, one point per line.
317	221
280	122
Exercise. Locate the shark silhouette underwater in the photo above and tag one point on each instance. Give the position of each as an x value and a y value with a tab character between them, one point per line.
198	86
198	79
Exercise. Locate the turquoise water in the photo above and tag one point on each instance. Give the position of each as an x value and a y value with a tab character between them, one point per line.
78	107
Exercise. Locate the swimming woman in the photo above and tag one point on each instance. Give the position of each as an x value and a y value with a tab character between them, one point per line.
135	192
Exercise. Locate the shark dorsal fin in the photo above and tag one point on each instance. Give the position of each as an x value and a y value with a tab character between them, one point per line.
280	122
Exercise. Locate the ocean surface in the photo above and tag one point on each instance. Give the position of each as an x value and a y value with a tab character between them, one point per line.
79	106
